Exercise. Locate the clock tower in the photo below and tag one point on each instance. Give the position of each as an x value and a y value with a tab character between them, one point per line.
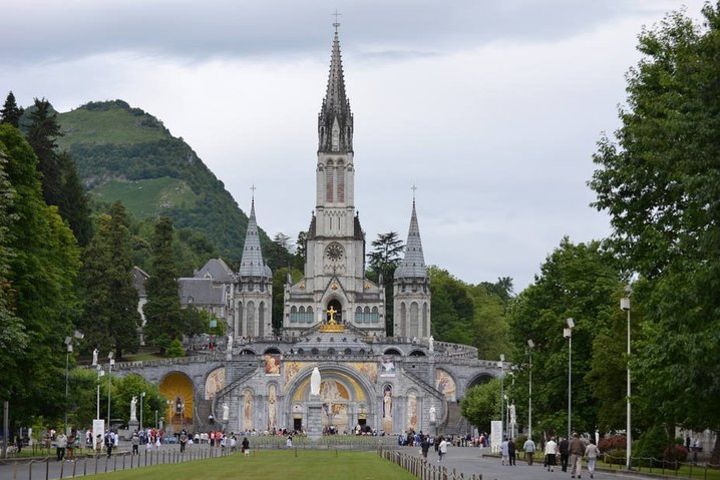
334	277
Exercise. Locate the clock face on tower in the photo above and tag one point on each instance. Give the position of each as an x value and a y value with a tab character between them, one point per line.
334	252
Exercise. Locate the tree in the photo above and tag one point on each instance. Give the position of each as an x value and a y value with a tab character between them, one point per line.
383	260
300	251
280	277
42	133
13	338
579	281
283	241
659	181
481	404
111	318
164	319
42	275
73	202
10	112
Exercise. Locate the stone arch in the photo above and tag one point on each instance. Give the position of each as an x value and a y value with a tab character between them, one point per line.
417	353
214	382
247	351
412	410
479	379
178	388
274	350
446	384
392	351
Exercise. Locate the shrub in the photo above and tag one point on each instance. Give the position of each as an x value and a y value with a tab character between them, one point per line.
614	456
613	442
175	349
676	452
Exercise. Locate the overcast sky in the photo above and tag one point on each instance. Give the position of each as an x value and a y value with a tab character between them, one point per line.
492	108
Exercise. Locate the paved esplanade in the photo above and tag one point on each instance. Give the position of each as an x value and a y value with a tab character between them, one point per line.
467	460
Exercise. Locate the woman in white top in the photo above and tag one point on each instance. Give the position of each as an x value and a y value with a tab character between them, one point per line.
591	453
550	453
442	448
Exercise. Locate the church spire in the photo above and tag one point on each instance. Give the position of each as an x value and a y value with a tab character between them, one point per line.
335	121
413	263
252	264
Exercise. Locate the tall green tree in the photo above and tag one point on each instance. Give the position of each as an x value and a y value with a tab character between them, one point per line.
42	274
481	404
111	319
579	281
13	339
10	112
73	203
164	318
659	180
383	259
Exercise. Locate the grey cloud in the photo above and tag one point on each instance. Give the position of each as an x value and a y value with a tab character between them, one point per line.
52	30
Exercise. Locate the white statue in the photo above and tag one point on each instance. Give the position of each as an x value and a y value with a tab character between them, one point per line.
315	382
513	415
133	409
433	417
226	412
228	354
95	355
431	344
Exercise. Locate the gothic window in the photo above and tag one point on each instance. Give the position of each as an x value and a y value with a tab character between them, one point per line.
250	319
293	315
358	315
375	315
403	321
329	182
425	325
414	327
335	138
366	315
309	315
261	320
340	178
239	310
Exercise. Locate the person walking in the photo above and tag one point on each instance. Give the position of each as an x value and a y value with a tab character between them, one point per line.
424	447
591	453
183	441
511	451
61	445
577	450
135	441
550	454
564	451
505	452
442	448
71	446
109	443
246	446
529	447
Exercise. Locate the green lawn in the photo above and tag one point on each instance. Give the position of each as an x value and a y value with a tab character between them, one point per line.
326	465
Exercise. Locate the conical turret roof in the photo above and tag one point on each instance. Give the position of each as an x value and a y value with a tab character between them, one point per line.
252	264
413	263
335	112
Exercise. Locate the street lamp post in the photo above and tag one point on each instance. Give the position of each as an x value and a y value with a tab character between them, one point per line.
69	344
531	345
567	333
625	305
111	363
100	373
142	400
501	364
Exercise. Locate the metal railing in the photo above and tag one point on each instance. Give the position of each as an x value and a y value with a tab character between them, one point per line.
423	469
668	468
49	468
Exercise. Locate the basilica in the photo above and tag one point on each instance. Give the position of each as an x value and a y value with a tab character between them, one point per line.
333	319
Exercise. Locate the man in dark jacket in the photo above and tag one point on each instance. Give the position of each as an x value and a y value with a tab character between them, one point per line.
511	451
564	449
577	450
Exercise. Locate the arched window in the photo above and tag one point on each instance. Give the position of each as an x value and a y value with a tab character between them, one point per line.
293	314
329	182
425	322
309	315
414	326
239	326
403	321
250	329
358	315
375	315
366	315
261	320
340	179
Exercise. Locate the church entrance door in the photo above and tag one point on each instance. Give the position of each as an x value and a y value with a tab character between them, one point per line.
333	311
297	424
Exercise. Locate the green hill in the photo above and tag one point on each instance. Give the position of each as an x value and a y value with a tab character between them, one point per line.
126	154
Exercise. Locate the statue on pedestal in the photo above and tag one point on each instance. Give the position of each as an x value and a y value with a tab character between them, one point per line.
431	344
133	409
229	350
95	357
225	412
433	417
315	382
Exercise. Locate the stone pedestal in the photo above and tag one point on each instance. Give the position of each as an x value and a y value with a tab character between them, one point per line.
314	420
433	429
133	425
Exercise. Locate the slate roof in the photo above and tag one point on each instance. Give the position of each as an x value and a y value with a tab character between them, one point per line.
200	291
413	263
252	264
216	269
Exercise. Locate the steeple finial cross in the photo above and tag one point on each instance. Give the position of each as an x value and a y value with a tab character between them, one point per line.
336	24
414	189
252	189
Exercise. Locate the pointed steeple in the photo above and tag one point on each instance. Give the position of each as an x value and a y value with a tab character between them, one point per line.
413	263
335	121
252	264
